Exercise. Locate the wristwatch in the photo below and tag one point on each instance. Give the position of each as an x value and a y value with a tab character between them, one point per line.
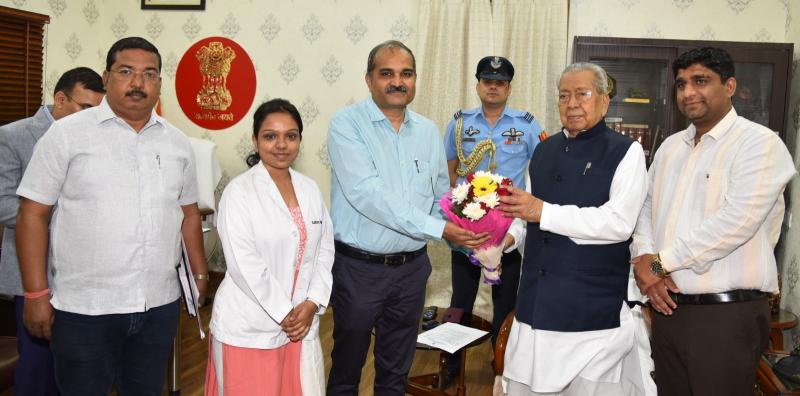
656	268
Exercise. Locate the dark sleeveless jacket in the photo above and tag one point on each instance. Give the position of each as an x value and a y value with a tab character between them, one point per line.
565	286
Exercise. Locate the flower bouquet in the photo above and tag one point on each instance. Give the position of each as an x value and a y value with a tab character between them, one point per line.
473	205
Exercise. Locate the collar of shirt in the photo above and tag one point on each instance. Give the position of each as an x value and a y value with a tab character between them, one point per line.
717	132
376	115
586	133
48	111
105	113
478	112
507	112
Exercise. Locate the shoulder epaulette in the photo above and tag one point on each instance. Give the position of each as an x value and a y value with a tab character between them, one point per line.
457	115
528	116
543	136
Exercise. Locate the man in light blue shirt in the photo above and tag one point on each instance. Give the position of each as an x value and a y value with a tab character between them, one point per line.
389	169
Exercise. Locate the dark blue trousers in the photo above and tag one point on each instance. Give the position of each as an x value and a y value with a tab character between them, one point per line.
34	375
466	278
127	350
388	299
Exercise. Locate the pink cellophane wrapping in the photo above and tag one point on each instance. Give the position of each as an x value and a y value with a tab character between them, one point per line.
492	222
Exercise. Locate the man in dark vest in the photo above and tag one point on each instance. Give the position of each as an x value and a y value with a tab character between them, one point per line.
573	329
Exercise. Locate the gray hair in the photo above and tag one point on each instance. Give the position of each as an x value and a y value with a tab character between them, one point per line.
389	44
600	80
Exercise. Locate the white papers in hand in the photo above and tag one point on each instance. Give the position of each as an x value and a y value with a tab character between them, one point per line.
189	289
450	337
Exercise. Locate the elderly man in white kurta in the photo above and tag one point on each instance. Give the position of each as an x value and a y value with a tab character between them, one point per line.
573	328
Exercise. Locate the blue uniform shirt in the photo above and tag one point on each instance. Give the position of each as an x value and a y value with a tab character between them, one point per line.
515	135
386	185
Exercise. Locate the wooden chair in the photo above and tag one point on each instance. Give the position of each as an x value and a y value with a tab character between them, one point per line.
502	340
767	383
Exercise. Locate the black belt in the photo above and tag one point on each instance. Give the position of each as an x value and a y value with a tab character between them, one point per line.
718	298
393	259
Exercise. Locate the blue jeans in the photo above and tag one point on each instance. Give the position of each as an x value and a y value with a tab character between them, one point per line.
92	353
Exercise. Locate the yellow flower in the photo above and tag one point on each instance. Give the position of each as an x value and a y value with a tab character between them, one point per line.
483	185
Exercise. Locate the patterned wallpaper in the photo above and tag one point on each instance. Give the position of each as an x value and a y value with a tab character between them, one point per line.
310	52
729	20
789	251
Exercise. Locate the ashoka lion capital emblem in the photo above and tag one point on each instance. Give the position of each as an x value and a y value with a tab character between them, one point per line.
215	64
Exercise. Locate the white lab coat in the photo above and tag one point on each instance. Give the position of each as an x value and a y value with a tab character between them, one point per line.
260	242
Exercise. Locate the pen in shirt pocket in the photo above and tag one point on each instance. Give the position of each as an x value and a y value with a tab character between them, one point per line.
416	164
158	159
588	166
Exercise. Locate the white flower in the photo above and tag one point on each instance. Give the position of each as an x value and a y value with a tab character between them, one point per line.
460	193
497	178
473	211
483	174
491	200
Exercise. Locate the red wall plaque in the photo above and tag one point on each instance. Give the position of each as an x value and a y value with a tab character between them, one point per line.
215	83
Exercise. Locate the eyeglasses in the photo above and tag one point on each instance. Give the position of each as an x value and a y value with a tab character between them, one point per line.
126	74
83	106
581	96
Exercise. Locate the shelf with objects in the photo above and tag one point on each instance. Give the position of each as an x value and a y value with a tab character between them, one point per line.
644	107
638	95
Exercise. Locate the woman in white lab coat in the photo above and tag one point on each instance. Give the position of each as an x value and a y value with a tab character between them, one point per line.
278	243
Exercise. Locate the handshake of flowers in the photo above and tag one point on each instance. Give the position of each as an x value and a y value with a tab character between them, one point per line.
474	206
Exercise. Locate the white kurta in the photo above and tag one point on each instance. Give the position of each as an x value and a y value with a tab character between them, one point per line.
548	361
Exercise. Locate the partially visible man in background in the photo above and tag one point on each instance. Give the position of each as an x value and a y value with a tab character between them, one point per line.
76	90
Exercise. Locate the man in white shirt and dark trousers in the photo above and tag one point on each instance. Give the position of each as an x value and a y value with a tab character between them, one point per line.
706	235
120	184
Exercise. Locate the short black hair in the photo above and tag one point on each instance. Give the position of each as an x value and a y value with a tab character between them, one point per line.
388	45
277	105
716	59
84	76
130	43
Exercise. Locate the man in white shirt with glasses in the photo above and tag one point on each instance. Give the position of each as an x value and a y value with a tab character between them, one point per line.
106	199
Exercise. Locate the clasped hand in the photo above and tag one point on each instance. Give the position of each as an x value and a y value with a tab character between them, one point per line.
297	323
656	289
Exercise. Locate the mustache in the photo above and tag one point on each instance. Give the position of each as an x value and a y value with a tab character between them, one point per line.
136	92
398	88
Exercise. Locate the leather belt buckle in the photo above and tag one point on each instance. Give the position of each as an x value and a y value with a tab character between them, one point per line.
393	260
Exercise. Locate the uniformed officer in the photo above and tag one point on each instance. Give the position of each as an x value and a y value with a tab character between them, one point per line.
500	139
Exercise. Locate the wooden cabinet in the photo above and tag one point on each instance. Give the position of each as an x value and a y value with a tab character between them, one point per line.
643	106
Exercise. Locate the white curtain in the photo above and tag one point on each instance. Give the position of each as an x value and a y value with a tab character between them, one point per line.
533	35
453	35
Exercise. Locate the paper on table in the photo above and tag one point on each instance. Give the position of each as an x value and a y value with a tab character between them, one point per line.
189	289
450	337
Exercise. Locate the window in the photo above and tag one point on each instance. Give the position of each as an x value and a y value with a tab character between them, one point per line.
21	63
